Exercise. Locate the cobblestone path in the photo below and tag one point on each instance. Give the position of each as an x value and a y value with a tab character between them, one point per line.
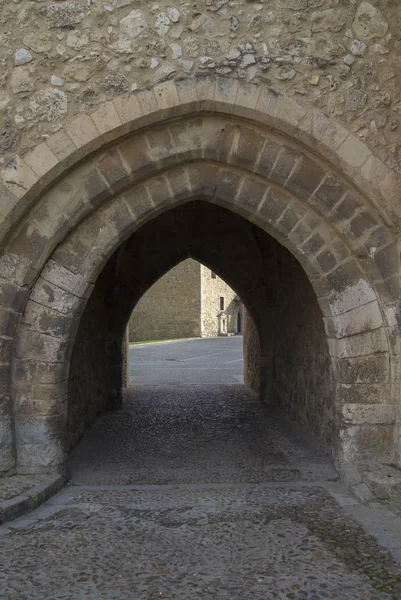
197	492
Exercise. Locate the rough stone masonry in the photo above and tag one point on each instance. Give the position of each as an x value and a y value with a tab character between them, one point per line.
63	58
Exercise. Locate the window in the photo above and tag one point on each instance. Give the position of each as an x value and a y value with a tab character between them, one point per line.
221	302
212	275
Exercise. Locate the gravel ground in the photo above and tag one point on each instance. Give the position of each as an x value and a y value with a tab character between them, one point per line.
230	542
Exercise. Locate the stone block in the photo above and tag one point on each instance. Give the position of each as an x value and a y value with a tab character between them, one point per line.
347	208
362	223
328	194
66	280
285	163
128	108
18	177
312	245
82	130
370	414
268	103
35	345
346	280
41	159
268	157
357	293
27	371
106	117
113	170
358	320
147	102
161	146
135	154
50	295
203	178
229	184
373	368
187	137
290	112
179	184
61	144
166	94
334	135
371	393
300	234
250	194
273	205
290	218
362	492
246	146
361	344
8	321
247	95
388	261
354	152
225	92
6	349
326	261
119	216
216	140
12	296
46	320
30	245
140	202
95	186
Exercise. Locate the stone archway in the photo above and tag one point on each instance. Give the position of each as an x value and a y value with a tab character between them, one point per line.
236	146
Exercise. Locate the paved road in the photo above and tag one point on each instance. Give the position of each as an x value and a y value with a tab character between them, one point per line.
200	361
199	491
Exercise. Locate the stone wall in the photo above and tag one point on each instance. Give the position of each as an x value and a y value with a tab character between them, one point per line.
303	379
171	308
62	58
96	385
211	292
184	303
251	354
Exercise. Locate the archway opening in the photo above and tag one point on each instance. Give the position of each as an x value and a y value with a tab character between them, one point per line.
194	313
286	357
256	163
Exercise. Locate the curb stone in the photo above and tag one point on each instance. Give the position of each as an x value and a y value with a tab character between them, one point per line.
19	505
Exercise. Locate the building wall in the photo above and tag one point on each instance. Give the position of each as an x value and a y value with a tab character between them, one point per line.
184	303
170	309
212	289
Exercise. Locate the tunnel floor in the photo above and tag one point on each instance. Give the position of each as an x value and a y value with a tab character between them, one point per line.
197	491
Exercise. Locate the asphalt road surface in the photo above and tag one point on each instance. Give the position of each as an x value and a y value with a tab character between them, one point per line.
207	361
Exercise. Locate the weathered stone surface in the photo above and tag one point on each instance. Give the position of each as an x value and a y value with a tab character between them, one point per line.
369	22
9	140
63	14
48	105
134	23
22	56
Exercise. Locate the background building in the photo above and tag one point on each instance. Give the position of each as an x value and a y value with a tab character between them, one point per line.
189	301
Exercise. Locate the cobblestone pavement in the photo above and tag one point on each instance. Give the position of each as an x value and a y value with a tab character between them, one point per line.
200	492
202	434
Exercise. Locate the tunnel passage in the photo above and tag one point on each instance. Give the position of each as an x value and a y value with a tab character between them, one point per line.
286	353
